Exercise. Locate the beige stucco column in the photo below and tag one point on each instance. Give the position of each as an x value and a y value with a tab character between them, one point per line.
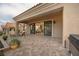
70	21
27	29
24	28
17	28
52	29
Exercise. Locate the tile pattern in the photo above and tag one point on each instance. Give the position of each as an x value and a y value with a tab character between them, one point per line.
35	45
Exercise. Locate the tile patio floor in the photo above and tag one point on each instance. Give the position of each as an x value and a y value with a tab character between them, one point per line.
33	45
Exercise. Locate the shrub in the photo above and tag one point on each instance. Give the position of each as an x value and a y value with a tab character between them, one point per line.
1	33
14	43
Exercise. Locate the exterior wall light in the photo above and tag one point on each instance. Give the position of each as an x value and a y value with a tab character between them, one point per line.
54	21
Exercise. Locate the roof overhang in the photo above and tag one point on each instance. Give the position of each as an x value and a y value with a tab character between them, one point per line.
38	11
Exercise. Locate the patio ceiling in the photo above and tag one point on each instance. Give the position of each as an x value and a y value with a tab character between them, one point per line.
41	16
37	13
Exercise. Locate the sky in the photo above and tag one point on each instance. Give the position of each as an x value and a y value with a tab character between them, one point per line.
10	10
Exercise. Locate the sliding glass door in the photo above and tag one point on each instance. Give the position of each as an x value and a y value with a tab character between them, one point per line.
48	28
32	28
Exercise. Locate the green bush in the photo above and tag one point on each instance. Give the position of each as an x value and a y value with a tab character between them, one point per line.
15	42
1	33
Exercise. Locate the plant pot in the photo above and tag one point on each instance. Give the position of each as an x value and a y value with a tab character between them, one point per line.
14	43
14	46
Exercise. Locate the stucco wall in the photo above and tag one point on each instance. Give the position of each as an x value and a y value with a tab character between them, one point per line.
70	21
58	26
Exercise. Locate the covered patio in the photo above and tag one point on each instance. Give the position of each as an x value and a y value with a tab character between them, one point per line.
48	39
49	23
56	21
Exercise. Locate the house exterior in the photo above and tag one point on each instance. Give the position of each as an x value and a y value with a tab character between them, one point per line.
51	19
8	27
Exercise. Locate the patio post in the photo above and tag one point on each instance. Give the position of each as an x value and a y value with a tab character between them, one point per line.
25	29
17	28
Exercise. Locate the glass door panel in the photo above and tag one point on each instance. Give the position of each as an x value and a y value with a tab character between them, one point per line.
48	28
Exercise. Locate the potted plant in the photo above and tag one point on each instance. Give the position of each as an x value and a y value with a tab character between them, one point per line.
14	43
5	37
